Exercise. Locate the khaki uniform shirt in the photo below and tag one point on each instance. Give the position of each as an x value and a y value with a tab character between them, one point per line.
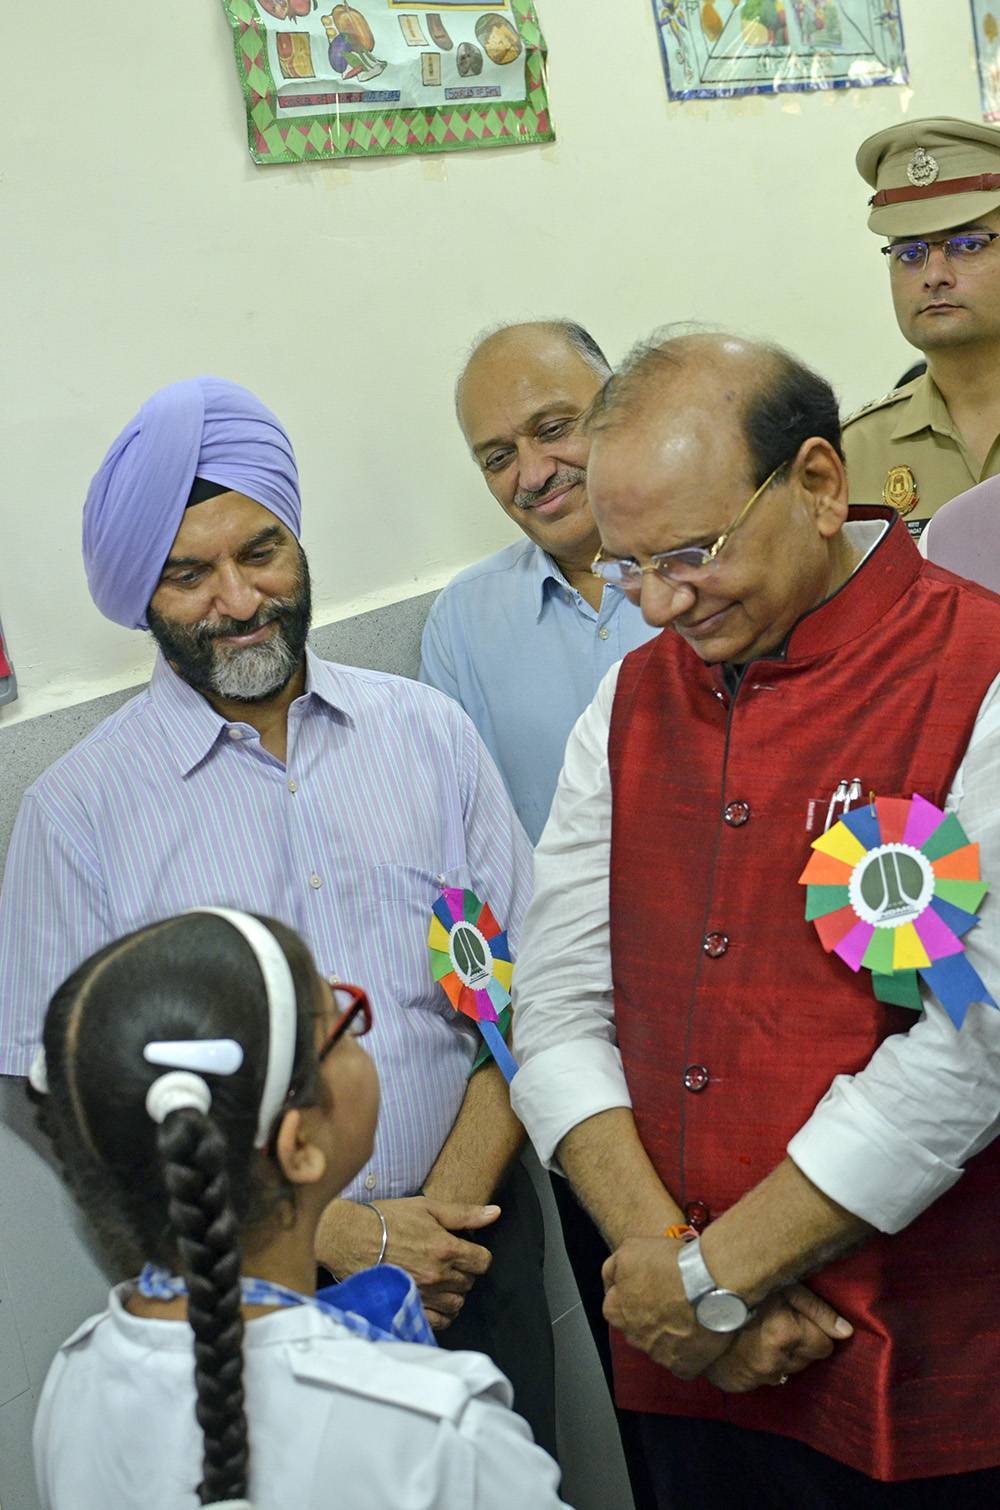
905	451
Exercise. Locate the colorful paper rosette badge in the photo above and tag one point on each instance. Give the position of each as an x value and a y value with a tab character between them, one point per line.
470	956
893	888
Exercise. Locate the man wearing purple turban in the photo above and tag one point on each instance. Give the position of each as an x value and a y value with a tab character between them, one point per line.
188	442
251	773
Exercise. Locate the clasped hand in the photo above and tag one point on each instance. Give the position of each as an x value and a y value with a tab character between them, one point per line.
645	1301
423	1240
790	1329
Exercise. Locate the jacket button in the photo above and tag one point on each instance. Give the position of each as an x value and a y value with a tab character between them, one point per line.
697	1214
737	813
695	1077
715	944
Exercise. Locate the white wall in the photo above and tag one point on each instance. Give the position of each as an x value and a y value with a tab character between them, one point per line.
140	244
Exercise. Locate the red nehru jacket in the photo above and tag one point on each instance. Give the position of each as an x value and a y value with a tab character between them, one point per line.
715	965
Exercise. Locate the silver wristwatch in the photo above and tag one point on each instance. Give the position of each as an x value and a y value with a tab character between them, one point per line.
716	1310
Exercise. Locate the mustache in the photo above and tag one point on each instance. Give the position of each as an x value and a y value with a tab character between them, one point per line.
569	478
277	608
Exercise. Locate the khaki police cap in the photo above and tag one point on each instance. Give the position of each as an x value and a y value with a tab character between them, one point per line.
930	175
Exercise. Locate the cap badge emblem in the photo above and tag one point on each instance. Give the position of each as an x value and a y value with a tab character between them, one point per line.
922	168
900	490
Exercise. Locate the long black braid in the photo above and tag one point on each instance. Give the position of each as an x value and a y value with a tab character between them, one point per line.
194	1150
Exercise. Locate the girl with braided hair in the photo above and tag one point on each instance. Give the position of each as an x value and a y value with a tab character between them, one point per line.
207	1098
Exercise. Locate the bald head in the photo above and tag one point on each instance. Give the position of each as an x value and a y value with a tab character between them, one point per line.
521	399
727	388
528	337
704	360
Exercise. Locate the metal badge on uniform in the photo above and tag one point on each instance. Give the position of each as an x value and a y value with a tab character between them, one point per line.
900	490
922	168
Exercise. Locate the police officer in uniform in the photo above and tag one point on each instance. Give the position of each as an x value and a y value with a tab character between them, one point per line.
936	198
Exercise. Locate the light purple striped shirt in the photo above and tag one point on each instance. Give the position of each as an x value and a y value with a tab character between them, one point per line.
387	795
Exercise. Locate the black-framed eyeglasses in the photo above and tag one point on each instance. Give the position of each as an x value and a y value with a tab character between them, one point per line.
355	1018
913	256
626	575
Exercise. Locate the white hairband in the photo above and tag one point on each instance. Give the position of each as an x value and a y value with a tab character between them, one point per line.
38	1072
183	1086
282	1021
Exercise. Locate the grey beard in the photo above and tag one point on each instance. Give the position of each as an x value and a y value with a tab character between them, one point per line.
254	673
248	675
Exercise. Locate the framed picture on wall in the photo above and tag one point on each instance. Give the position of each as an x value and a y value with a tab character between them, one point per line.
986	28
722	48
379	78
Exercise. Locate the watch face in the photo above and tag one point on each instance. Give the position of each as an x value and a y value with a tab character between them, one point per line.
721	1311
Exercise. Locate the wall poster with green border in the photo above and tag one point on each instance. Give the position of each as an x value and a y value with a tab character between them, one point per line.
384	77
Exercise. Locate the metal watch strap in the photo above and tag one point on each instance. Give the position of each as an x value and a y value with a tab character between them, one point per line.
696	1276
715	1309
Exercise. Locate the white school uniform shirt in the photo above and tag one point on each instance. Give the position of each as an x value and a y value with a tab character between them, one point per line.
884	1143
335	1422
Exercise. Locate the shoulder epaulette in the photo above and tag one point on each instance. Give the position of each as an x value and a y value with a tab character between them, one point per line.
892	397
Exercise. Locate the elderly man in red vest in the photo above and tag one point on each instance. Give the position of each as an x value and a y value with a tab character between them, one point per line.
725	1063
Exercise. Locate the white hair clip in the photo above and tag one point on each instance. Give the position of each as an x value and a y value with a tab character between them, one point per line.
206	1056
38	1072
177	1091
181	1089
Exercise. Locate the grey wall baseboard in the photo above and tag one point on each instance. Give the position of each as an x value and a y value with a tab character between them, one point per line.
386	639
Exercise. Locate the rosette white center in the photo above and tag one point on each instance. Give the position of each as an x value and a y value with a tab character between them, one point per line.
891	885
471	956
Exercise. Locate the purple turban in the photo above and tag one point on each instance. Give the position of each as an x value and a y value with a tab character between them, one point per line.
204	427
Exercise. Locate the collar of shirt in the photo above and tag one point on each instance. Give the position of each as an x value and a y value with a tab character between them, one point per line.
864	535
924	410
549	579
285	1324
192	727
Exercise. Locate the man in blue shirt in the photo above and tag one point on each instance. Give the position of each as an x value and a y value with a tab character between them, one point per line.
523	639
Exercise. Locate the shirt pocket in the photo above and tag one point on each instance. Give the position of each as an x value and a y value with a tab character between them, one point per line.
406	894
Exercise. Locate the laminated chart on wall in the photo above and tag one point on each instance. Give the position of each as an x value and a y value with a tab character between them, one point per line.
382	78
722	48
986	30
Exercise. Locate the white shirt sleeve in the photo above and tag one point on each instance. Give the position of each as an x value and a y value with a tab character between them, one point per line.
510	1469
885	1143
446	1435
564	1031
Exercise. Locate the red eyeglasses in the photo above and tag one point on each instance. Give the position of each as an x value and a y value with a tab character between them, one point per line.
355	1016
